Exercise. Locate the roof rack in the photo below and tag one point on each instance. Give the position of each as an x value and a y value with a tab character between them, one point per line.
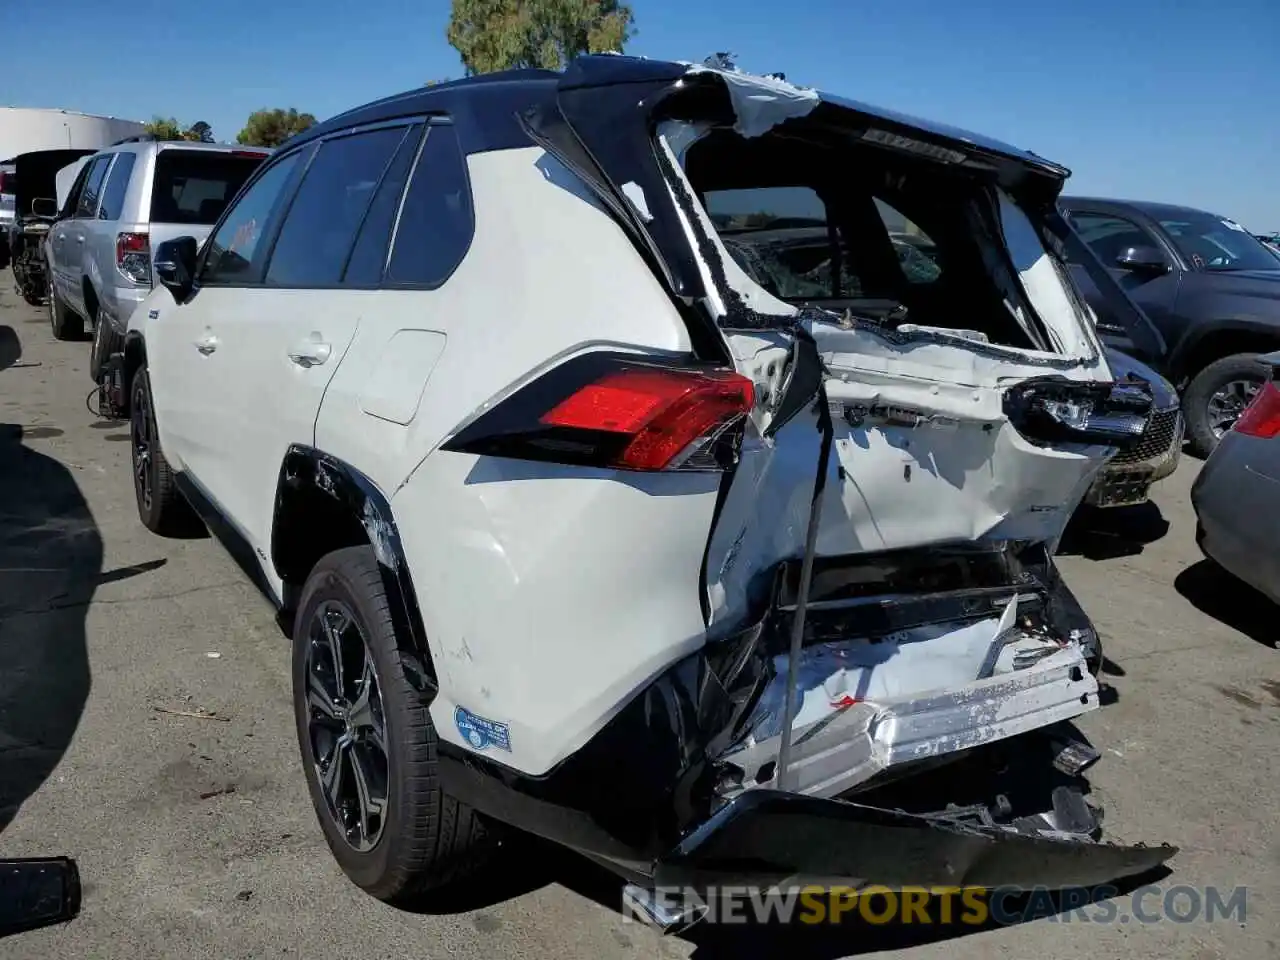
137	138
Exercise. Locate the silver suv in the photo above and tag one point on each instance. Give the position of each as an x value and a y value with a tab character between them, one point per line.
126	200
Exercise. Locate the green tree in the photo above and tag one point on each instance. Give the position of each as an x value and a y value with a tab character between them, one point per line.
167	128
502	34
164	128
270	128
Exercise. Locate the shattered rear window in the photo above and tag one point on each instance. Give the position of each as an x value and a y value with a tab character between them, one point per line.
883	235
780	237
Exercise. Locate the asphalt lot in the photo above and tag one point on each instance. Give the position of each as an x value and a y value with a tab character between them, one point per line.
195	836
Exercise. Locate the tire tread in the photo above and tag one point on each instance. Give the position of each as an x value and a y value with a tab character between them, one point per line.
445	840
1195	398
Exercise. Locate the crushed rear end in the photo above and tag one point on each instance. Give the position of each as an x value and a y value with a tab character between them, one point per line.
879	586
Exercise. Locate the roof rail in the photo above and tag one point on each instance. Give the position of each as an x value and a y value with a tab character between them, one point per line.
137	138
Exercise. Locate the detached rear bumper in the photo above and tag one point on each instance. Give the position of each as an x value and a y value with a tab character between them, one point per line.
768	837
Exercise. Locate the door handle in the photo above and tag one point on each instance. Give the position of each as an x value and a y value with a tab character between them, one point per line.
60	236
80	239
311	352
207	344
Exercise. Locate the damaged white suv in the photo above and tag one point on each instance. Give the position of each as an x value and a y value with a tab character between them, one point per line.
574	419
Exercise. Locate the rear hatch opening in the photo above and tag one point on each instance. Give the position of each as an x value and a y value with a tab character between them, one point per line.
931	404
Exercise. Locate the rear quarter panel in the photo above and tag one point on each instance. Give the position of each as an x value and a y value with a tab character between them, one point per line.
549	594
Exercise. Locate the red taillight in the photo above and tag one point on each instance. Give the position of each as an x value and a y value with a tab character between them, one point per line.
662	411
1262	417
5	182
132	243
618	411
133	256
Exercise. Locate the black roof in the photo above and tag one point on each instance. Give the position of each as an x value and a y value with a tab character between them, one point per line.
495	98
1153	209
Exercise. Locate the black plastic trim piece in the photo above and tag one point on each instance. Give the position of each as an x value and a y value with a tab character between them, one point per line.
311	472
766	837
38	892
227	533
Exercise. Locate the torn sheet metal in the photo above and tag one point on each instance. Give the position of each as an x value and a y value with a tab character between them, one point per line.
870	704
760	103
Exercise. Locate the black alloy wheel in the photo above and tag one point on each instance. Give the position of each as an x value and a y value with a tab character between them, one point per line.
347	729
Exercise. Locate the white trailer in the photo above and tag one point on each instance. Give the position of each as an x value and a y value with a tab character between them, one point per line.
23	130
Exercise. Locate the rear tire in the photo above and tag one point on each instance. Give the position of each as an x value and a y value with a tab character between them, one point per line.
161	508
66	324
98	347
1203	400
421	838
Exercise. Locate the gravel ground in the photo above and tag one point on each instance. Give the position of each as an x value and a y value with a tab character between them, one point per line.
195	836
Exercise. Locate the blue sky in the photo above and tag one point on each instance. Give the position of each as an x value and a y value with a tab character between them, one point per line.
1154	99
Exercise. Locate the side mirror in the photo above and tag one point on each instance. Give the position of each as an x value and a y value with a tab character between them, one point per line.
176	266
44	207
1142	260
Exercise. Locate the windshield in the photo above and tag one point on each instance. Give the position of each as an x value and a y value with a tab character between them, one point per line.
1213	243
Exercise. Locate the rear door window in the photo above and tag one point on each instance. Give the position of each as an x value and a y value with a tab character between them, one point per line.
88	205
195	186
321	225
369	256
436	220
117	183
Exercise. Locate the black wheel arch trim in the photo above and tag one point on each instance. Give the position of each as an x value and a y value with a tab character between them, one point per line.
311	471
1187	347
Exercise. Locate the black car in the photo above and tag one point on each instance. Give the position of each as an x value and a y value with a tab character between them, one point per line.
1208	286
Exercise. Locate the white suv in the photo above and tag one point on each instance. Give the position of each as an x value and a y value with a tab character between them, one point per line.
563	498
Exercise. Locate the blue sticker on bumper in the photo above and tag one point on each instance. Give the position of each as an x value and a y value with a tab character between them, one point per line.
481	733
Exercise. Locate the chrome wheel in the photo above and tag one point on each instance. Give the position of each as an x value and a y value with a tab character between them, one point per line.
1228	402
141	441
346	726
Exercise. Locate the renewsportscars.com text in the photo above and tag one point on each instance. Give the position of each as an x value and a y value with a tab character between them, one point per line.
971	906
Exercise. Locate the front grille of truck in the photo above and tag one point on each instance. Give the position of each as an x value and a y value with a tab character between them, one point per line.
1163	430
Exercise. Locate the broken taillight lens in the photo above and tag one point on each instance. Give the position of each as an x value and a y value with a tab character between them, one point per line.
1049	410
1262	417
618	411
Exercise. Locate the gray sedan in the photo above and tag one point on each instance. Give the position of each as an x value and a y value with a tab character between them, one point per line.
1237	495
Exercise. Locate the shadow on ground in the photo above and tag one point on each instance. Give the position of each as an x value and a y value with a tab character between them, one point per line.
50	561
810	934
1107	534
10	347
1218	594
